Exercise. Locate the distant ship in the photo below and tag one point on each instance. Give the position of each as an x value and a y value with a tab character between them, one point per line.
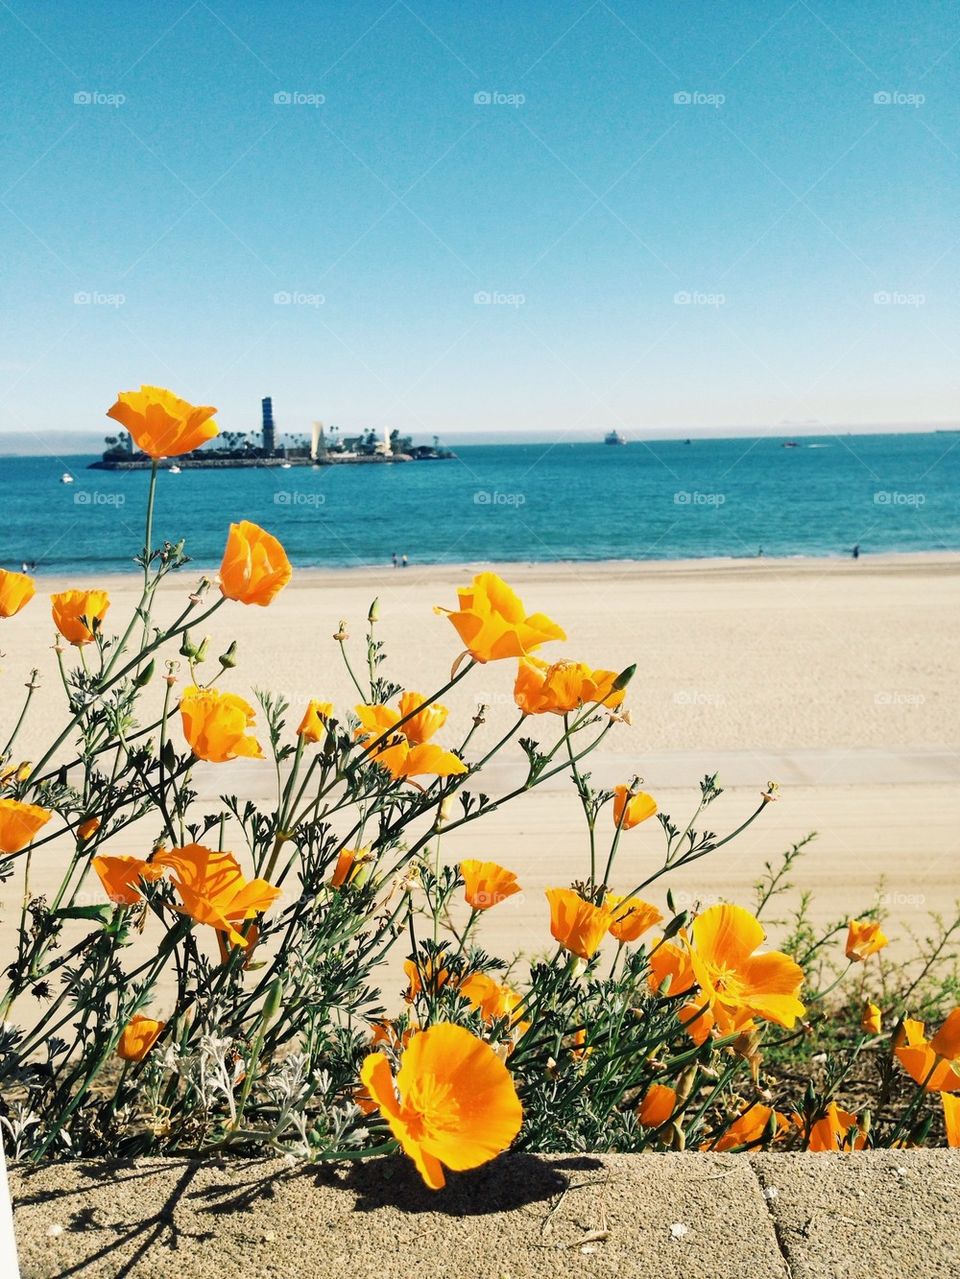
790	444
614	437
66	478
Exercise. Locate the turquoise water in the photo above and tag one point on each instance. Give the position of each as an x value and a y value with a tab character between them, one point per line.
662	500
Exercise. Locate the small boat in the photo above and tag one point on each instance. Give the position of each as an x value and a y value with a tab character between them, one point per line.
614	437
790	444
285	466
175	470
66	478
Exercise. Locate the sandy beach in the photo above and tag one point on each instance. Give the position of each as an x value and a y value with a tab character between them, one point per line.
831	677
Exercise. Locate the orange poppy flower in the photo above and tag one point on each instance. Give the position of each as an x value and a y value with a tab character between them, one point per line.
491	999
227	948
78	615
749	1129
255	567
403	761
19	824
872	1020
632	917
88	828
735	984
935	1062
486	884
946	1042
15	773
492	622
563	687
864	938
386	1032
16	591
138	1037
313	726
831	1132
577	925
215	725
121	876
630	808
378	720
457	1104
657	1106
349	864
426	974
213	890
951	1118
160	423
580	1050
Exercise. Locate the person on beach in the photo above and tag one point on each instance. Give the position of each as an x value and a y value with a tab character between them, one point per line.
856	551
404	560
394	559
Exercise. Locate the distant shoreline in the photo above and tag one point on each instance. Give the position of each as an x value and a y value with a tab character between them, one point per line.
769	566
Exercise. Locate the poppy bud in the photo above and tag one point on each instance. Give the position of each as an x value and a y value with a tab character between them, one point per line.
623	679
229	658
373	614
145	676
202	649
272	1002
676	924
187	647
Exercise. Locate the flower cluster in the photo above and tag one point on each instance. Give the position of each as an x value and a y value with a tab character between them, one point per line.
256	1021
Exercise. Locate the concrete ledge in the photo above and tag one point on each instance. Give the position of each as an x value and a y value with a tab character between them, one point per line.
883	1215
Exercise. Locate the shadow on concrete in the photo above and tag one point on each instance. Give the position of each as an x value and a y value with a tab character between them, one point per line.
507	1183
156	1228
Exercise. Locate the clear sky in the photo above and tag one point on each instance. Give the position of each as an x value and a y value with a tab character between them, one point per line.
180	223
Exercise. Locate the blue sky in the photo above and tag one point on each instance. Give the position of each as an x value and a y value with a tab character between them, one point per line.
582	250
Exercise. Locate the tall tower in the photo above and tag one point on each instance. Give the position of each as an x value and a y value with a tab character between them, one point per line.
269	430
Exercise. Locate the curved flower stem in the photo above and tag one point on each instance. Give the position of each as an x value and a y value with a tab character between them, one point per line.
584	802
695	856
31	688
613	847
341	640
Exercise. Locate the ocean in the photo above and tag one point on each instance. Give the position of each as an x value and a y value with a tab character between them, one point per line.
534	502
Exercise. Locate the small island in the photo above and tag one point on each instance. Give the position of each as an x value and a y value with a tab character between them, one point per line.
238	448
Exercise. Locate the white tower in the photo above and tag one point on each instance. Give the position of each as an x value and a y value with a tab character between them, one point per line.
315	439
